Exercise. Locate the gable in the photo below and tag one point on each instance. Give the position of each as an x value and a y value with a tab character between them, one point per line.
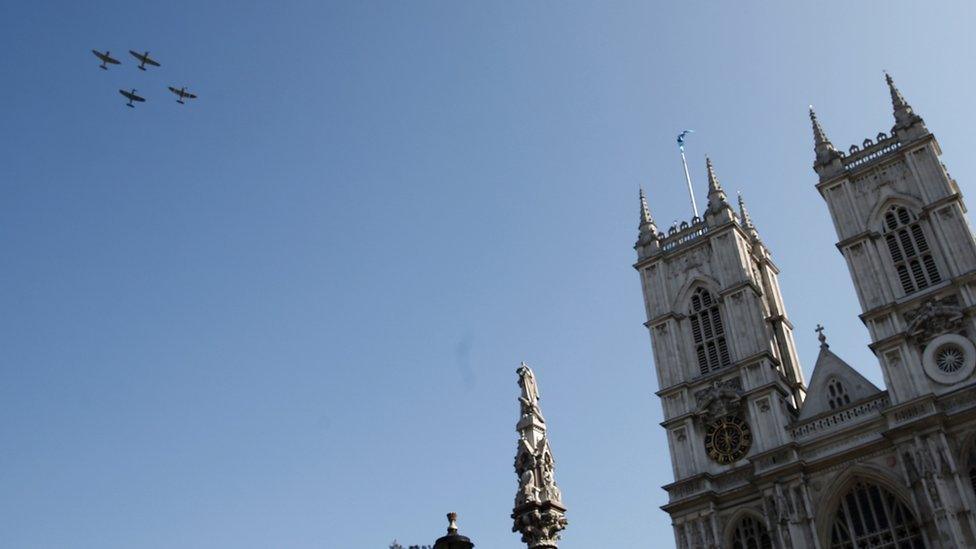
834	382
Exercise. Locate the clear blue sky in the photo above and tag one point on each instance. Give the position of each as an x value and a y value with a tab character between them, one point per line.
289	313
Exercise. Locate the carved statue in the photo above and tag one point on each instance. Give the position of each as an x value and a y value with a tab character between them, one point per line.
530	392
528	491
935	318
719	400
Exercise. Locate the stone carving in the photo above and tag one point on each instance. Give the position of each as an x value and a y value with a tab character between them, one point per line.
935	318
539	514
721	399
530	392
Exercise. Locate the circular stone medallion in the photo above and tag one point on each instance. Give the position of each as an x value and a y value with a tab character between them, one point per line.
949	358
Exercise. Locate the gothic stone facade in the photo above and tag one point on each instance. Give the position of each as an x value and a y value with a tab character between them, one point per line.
762	459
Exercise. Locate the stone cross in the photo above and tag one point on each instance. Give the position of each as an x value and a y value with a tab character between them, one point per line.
821	336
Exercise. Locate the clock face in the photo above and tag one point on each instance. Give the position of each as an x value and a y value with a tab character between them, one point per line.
727	439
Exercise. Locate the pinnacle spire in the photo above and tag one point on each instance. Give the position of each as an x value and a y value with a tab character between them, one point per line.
713	184
746	220
824	149
744	213
645	213
819	137
719	210
897	99
904	114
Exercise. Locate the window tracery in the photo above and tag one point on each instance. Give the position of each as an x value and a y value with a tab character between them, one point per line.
909	250
708	332
870	516
750	533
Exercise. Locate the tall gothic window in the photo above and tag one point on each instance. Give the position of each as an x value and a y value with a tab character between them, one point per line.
972	468
751	534
837	396
871	517
708	332
909	250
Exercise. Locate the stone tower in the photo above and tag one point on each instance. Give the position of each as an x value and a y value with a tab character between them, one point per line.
723	347
901	227
760	460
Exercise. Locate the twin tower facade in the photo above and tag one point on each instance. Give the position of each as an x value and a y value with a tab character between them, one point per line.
762	458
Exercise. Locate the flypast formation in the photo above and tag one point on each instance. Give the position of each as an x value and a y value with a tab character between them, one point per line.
106	58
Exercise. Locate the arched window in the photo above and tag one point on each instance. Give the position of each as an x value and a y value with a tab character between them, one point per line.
750	533
909	250
871	516
837	396
708	332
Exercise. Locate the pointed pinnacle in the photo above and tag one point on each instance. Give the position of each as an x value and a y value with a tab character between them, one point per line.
819	137
897	99
713	184
744	213
905	116
645	212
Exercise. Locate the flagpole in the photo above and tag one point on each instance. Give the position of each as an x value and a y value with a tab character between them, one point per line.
691	191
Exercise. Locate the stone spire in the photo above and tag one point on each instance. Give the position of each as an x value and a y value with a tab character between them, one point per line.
719	209
824	149
647	240
539	514
746	220
645	213
453	540
905	117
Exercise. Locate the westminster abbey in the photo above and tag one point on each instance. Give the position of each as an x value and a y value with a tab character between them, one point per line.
763	458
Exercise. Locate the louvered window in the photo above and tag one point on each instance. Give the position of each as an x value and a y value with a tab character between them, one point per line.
871	516
909	250
708	332
751	534
837	396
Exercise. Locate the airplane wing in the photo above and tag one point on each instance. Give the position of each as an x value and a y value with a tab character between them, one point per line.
138	56
108	59
131	96
150	61
189	95
174	90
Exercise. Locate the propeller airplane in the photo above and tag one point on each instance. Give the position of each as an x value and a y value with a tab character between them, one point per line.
144	59
105	58
182	94
131	96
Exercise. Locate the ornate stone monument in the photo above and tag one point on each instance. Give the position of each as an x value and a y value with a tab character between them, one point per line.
539	514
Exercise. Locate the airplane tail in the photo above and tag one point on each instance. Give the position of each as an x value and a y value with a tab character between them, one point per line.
103	67
142	68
